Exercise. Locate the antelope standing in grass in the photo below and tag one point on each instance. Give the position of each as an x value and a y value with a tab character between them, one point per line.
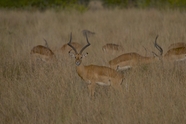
129	60
43	53
95	74
110	47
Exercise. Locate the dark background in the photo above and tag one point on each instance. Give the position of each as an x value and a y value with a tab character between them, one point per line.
62	4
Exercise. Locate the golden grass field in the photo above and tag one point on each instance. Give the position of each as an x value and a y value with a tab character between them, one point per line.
55	94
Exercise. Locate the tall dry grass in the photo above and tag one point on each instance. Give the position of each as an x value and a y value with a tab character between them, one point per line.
54	93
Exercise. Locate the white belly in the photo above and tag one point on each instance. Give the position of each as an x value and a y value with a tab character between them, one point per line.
124	68
103	84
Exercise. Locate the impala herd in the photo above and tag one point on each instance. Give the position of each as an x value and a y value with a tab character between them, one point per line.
107	75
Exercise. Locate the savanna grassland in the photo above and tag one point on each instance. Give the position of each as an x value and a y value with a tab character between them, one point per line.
55	94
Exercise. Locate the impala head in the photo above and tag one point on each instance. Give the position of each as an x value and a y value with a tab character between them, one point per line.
78	56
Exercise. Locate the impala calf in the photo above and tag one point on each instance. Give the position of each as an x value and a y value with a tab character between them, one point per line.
43	53
94	74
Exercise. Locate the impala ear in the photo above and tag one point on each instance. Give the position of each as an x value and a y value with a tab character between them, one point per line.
71	53
86	54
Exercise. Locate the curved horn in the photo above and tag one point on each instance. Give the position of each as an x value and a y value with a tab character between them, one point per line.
158	46
69	43
88	44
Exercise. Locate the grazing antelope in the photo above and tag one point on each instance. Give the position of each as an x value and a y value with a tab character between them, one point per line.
176	45
129	60
94	74
110	47
177	52
43	53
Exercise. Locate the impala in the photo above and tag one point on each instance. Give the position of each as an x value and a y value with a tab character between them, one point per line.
43	53
176	45
95	74
176	52
129	60
110	47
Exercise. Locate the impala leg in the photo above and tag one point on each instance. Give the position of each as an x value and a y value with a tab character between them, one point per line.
91	88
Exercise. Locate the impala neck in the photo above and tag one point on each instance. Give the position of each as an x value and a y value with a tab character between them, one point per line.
81	70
